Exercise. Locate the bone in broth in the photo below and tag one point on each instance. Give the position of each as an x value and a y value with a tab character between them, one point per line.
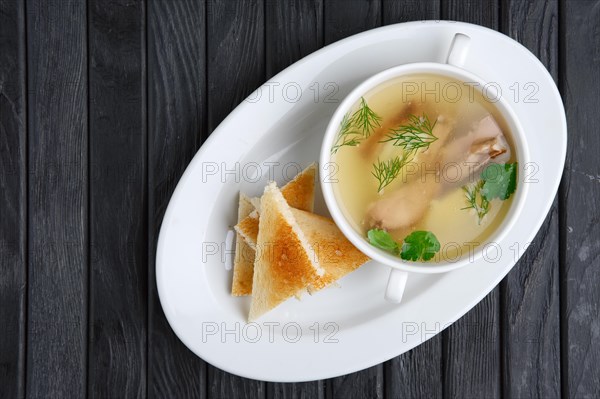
425	167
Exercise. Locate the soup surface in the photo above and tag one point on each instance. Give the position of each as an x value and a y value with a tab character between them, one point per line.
426	154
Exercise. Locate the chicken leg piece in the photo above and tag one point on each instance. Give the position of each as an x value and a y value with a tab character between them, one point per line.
407	204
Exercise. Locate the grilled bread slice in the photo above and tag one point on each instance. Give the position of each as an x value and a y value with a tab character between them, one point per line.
243	262
284	262
299	193
336	255
248	229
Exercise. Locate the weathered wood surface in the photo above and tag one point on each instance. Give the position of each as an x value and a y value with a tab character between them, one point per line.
176	89
579	201
13	199
118	200
58	216
104	103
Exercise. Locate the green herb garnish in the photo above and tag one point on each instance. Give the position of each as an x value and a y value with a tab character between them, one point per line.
386	171
497	181
500	181
383	240
419	245
347	135
418	133
355	128
365	119
476	201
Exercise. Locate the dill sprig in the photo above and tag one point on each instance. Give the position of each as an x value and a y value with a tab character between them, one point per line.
355	128
386	171
347	136
473	193
365	119
417	133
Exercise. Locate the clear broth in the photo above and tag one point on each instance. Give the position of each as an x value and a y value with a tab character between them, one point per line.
447	100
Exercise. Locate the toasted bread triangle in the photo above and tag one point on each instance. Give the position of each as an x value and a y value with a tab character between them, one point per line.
243	262
299	193
336	255
247	228
284	261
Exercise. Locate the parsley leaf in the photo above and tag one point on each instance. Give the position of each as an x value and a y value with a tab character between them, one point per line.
383	240
500	181
420	245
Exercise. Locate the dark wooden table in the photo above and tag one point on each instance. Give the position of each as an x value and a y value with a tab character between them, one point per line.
104	103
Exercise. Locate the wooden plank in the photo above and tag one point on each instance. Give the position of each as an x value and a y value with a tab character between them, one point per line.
345	18
418	373
472	352
366	383
236	54
472	363
176	115
396	11
118	207
236	66
530	293
302	390
294	29
342	19
223	385
580	194
13	197
58	198
531	324
480	12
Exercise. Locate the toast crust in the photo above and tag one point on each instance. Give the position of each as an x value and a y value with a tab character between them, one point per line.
300	191
243	262
283	265
248	230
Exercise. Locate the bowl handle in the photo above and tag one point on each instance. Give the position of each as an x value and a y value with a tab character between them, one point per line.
459	48
395	285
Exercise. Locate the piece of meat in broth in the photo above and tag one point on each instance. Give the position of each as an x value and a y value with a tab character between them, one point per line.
465	157
470	153
406	204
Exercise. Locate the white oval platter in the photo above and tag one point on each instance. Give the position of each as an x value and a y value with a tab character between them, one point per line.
278	129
